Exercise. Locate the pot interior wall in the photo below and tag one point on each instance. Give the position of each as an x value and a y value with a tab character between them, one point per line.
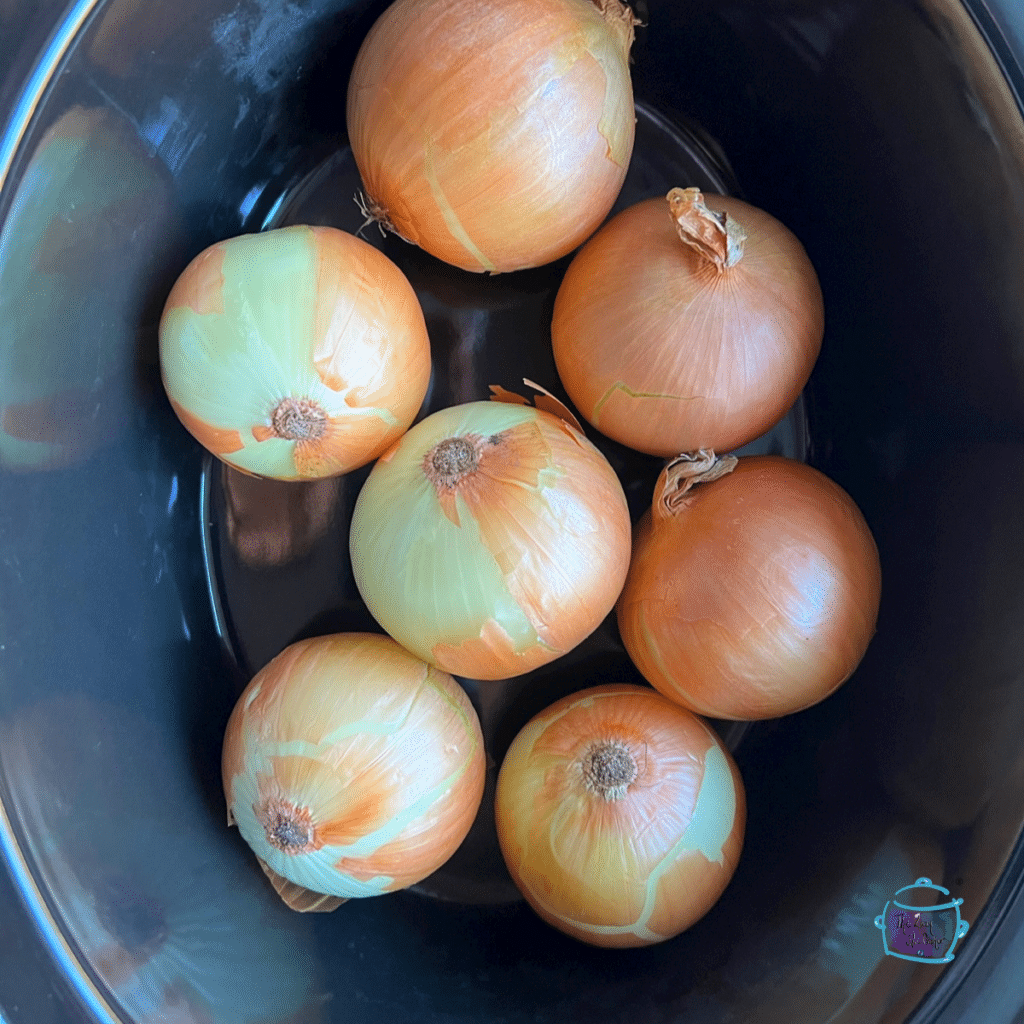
141	585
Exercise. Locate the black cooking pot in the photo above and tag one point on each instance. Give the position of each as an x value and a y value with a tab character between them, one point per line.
142	584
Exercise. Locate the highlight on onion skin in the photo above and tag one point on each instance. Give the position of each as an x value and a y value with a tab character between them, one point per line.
494	134
620	816
351	768
491	539
754	586
705	341
297	353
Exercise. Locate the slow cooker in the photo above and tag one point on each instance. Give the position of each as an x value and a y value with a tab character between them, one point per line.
142	584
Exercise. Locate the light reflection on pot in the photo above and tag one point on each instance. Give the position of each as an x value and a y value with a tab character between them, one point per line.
833	969
163	910
954	645
272	522
79	254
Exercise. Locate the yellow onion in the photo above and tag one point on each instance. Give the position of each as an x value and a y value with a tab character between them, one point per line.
754	586
492	538
620	815
296	353
351	768
688	324
495	134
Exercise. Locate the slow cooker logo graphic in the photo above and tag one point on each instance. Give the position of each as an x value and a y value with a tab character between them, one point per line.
913	931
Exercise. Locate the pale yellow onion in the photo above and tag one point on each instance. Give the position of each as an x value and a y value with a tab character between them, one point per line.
754	586
491	539
296	353
620	815
351	767
688	323
494	134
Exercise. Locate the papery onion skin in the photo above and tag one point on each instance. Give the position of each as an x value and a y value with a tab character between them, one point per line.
644	864
494	134
297	353
664	352
757	597
508	569
351	767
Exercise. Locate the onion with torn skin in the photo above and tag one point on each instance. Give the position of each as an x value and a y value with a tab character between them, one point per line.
705	341
351	769
620	816
494	134
491	539
298	353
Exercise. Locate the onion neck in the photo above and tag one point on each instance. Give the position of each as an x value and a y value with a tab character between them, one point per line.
701	467
716	237
620	19
375	213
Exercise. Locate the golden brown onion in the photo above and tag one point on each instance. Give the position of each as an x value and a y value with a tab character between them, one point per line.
687	324
753	591
495	134
491	539
620	816
297	353
351	768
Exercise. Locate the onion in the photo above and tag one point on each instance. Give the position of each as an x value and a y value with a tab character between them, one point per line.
491	539
495	134
351	768
688	326
620	816
754	586
296	353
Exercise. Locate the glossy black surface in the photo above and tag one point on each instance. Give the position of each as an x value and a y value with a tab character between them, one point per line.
140	585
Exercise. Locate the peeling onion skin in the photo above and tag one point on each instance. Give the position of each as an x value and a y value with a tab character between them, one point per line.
494	134
676	354
508	567
757	596
643	864
297	353
352	768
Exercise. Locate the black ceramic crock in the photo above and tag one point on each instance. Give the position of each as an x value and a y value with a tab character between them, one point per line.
141	584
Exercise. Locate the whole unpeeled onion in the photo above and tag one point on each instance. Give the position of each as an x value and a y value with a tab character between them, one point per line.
491	539
495	134
686	324
351	768
754	586
620	815
296	353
